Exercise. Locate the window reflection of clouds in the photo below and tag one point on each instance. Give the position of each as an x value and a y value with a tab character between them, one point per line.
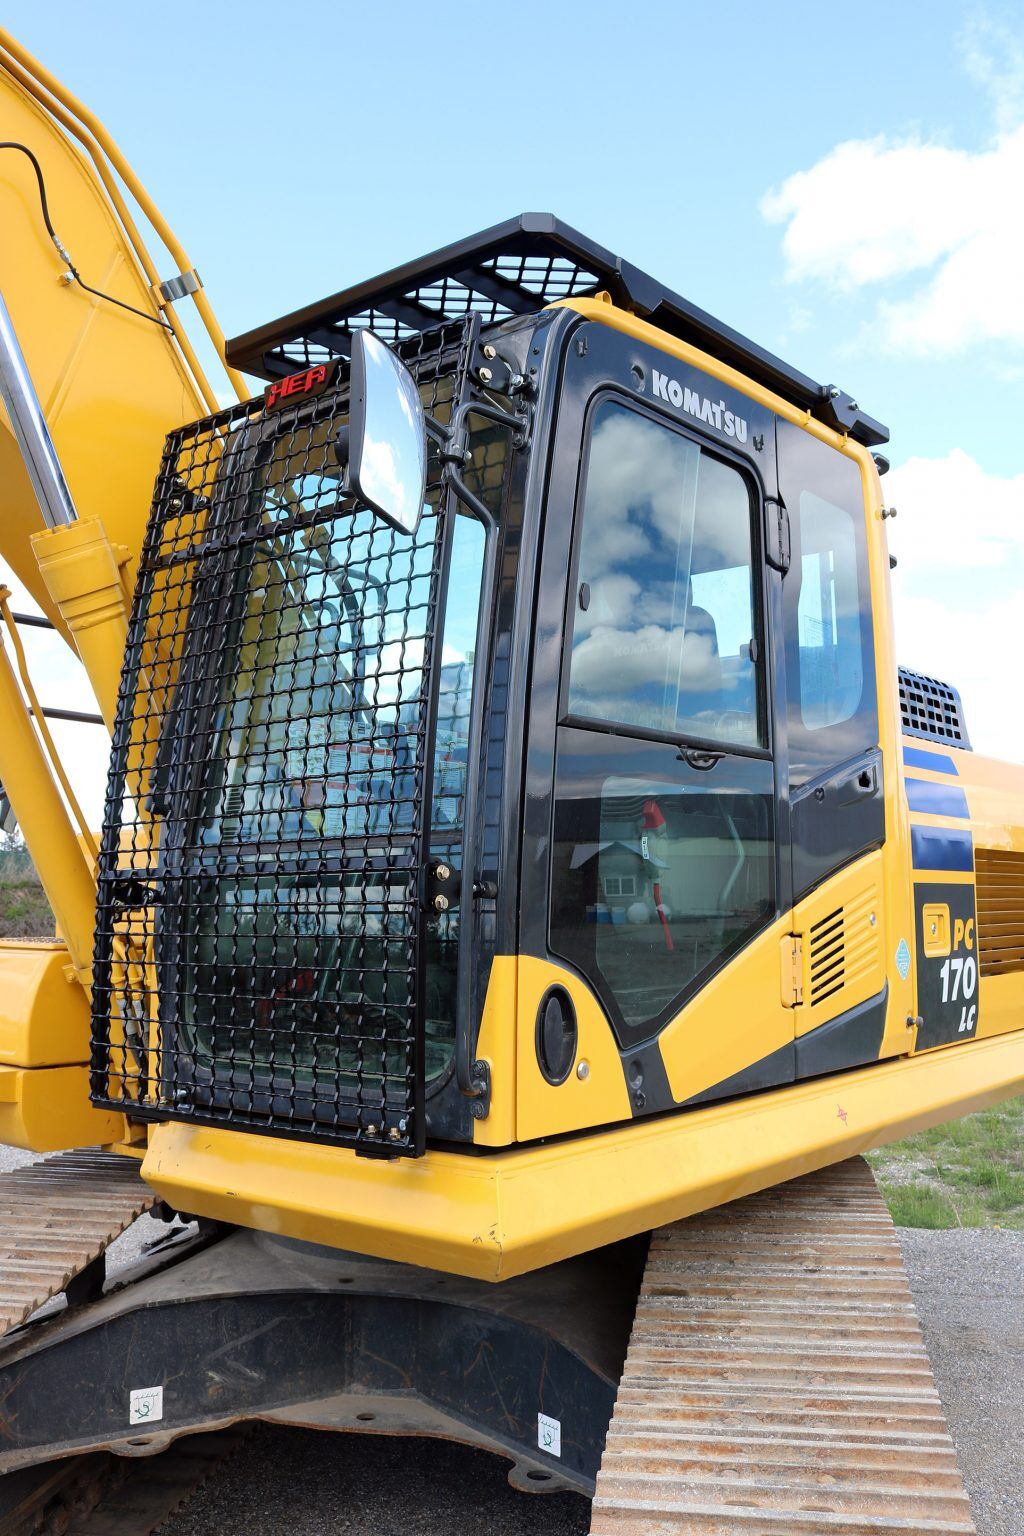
828	615
647	650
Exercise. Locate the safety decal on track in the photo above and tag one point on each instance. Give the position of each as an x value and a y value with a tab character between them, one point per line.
145	1405
549	1434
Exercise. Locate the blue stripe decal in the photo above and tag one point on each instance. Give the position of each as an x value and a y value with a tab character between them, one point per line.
937	799
938	762
936	848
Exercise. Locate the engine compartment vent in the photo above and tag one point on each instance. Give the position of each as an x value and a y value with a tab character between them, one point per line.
933	709
999	880
827	956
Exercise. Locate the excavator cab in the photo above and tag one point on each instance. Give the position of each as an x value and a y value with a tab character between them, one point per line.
456	757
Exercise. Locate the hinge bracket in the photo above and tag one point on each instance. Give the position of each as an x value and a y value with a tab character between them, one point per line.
178	286
777	543
791	951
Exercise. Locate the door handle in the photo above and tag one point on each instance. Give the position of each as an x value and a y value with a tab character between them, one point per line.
699	757
862	785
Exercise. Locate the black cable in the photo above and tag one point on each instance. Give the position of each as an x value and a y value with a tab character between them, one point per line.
64	256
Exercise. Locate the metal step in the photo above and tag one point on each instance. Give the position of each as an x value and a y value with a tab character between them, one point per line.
777	1382
56	1218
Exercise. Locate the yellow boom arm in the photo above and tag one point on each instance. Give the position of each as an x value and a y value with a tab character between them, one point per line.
97	368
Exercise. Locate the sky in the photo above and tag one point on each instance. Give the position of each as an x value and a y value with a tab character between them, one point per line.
844	190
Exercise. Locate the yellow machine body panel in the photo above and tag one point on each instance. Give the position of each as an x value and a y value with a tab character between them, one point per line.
502	1215
47	1109
44	1015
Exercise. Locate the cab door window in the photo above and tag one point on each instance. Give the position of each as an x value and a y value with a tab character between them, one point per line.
663	629
662	867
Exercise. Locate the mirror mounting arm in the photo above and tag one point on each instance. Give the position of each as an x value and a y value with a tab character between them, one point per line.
472	1075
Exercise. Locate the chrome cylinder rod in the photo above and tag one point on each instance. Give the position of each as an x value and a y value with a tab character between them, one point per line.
30	430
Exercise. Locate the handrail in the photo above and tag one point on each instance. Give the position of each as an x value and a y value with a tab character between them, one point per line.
37	711
90	132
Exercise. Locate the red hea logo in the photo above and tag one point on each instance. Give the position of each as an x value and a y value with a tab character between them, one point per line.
313	381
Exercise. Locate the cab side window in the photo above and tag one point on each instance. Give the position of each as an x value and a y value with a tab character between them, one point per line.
663	630
830	661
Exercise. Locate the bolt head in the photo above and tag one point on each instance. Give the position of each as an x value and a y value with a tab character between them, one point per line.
583	1071
489	351
486	375
440	903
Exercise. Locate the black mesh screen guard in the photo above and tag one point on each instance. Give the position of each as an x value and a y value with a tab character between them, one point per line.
260	940
932	709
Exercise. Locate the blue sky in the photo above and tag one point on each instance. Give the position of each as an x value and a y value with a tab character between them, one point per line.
844	190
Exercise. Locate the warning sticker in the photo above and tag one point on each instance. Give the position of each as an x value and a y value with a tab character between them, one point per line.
903	959
549	1434
145	1405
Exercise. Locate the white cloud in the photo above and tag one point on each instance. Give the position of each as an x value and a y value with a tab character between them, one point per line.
945	223
993	57
877	210
956	518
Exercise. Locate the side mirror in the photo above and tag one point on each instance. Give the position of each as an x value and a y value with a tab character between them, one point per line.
387	465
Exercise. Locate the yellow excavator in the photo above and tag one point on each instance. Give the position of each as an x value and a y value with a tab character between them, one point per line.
527	882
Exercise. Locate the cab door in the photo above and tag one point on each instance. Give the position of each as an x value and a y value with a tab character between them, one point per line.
835	767
653	859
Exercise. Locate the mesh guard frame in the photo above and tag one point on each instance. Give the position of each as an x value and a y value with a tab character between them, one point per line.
185	637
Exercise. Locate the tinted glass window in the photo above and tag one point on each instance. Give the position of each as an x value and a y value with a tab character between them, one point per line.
658	873
314	747
664	608
829	648
828	615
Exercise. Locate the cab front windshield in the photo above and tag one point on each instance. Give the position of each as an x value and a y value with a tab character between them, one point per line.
303	904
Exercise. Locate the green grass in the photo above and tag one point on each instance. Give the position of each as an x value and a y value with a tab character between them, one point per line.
969	1173
24	910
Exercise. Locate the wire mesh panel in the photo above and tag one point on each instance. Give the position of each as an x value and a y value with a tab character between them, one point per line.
930	708
261	945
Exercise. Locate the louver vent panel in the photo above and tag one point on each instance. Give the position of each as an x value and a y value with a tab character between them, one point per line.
1000	897
842	949
828	956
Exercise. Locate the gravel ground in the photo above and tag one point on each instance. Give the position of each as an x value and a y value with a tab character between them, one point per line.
969	1289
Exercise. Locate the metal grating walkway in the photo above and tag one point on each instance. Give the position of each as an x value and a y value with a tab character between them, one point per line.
777	1382
56	1218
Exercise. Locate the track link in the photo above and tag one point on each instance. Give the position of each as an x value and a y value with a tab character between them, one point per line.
103	1495
56	1218
777	1382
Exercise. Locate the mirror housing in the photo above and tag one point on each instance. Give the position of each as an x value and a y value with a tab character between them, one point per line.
387	442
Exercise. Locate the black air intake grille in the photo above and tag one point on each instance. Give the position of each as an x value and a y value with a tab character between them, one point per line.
828	956
933	709
261	945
